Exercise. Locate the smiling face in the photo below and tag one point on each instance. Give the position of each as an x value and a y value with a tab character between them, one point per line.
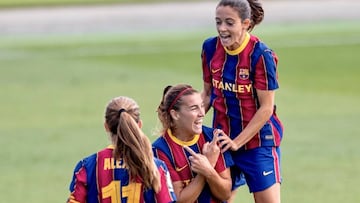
189	118
231	28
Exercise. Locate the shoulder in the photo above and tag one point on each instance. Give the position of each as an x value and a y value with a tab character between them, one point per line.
160	141
210	42
93	158
258	45
90	159
260	49
208	132
86	162
159	163
160	145
210	39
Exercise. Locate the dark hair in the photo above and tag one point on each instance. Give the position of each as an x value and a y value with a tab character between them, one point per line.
122	115
172	100
247	9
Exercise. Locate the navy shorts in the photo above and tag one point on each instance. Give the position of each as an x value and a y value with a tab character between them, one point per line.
260	167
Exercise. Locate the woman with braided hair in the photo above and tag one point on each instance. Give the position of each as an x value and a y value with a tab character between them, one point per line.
125	171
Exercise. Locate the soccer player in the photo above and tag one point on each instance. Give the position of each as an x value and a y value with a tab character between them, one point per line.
125	171
240	78
199	171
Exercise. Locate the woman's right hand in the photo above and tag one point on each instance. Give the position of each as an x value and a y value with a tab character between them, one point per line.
211	149
199	163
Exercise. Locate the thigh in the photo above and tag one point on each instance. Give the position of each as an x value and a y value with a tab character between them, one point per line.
269	195
237	177
261	167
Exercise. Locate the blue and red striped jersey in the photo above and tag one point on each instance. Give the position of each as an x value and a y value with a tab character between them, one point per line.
170	149
235	76
101	179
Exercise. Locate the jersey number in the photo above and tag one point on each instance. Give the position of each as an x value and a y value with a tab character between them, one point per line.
131	191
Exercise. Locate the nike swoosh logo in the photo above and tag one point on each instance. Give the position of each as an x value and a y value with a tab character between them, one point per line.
180	169
215	70
265	173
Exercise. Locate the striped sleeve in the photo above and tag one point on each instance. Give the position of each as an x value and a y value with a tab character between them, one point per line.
266	76
78	191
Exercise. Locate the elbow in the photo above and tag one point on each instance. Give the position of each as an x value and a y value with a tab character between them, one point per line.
227	196
267	112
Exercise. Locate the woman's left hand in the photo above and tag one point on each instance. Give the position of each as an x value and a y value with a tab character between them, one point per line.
226	143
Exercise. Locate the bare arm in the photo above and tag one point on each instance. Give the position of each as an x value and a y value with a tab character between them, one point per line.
190	192
219	183
205	95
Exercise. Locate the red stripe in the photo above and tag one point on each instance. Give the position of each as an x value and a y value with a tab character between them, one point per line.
276	165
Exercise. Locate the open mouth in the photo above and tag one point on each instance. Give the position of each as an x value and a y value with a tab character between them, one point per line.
198	122
225	38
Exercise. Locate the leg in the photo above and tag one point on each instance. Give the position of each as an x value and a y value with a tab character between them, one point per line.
269	195
238	179
232	198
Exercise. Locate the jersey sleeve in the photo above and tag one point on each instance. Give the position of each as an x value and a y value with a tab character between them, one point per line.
266	76
162	156
166	193
205	67
208	49
78	191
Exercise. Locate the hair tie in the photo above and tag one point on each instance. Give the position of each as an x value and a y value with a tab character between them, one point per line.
120	111
177	98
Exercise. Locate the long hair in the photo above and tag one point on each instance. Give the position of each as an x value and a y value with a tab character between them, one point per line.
172	99
247	9
122	115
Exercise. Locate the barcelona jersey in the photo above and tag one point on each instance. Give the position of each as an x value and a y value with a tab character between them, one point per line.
235	76
170	149
101	179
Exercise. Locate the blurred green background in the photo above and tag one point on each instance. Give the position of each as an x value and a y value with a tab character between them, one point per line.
54	89
49	3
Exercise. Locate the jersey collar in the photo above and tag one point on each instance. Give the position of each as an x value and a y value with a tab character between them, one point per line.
183	143
241	47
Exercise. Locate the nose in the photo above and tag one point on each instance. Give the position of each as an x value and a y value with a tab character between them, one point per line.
202	112
221	27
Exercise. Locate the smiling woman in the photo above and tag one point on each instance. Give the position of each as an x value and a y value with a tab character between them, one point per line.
198	172
240	78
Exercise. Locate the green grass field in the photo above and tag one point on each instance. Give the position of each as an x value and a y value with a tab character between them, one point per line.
54	90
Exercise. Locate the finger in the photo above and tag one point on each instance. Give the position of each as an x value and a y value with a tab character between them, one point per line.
223	142
225	148
191	152
221	139
216	136
206	146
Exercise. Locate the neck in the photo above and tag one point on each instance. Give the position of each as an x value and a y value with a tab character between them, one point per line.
182	136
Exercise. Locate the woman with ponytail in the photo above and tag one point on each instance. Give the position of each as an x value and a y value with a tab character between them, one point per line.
240	79
125	171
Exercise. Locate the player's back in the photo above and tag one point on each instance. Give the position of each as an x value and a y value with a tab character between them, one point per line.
106	180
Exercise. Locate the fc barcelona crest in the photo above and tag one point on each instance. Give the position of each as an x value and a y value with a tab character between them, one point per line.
243	73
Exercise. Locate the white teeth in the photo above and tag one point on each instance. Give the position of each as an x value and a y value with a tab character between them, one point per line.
224	36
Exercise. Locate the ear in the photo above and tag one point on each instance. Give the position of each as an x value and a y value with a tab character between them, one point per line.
246	23
174	114
106	127
140	123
